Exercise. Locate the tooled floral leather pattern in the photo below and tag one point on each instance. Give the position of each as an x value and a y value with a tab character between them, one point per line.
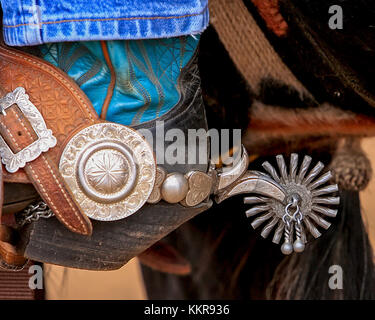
64	110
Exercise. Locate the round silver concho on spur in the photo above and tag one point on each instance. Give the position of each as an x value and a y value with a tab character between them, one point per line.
110	170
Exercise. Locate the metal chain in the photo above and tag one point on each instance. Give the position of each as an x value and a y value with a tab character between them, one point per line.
287	231
292	220
296	216
8	267
298	228
33	213
288	217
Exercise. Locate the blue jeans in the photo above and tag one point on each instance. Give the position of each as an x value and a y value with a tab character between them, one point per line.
32	22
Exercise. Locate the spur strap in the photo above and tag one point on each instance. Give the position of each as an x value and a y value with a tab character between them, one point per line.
64	110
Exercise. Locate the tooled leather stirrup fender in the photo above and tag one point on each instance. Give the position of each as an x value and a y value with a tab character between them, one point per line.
41	109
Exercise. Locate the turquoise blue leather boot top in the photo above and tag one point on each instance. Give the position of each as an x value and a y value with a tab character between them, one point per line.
146	74
33	22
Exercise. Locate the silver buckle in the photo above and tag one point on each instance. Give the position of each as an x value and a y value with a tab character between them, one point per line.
45	139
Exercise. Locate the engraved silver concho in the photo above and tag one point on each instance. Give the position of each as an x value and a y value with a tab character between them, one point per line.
110	169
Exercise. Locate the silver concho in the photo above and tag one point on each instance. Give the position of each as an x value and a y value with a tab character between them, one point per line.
110	169
107	171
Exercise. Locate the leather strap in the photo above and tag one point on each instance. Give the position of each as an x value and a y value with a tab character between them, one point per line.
65	109
44	174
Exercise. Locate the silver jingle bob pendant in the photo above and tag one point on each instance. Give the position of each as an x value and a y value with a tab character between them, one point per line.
293	203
